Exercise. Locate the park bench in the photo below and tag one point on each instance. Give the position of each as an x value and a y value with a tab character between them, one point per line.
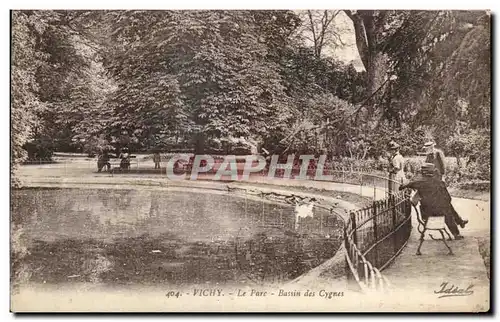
115	163
433	223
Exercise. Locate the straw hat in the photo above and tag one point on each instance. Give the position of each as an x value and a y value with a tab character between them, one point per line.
429	144
393	145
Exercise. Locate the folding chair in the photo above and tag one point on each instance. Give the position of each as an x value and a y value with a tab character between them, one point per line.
433	223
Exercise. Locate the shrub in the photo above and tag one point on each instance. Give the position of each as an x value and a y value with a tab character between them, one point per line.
476	185
474	148
412	166
40	149
95	145
367	165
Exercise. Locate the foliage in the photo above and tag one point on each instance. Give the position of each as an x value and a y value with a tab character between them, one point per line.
318	27
475	147
97	144
193	79
26	28
39	149
442	63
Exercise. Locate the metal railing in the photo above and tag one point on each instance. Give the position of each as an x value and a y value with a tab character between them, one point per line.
374	236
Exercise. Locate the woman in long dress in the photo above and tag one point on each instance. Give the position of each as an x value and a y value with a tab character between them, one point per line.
396	165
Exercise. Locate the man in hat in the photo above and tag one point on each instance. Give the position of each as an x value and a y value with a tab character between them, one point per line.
435	199
436	157
396	163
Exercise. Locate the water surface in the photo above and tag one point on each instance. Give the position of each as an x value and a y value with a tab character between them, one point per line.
177	238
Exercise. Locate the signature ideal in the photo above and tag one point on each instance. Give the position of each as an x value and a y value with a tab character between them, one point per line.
452	290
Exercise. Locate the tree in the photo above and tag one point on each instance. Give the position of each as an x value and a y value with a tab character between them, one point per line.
65	79
84	78
370	27
26	28
319	28
210	66
439	58
429	56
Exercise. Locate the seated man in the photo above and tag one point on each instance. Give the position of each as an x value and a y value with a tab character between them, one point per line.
124	159
435	199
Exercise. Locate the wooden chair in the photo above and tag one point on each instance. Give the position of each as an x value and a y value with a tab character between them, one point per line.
434	223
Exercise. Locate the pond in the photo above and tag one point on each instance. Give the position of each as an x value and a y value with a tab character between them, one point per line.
147	237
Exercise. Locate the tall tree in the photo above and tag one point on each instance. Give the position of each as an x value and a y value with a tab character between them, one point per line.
27	26
369	29
439	58
218	67
319	28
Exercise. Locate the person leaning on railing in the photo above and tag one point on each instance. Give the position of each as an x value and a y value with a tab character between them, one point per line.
435	199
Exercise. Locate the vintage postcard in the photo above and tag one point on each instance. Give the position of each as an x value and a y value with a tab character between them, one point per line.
250	161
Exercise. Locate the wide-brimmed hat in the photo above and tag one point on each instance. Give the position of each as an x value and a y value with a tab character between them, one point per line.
393	145
428	169
428	144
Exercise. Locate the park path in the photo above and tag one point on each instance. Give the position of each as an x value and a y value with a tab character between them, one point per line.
425	274
420	276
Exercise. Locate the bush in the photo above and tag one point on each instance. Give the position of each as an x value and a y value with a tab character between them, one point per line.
96	145
412	166
460	175
40	149
367	165
474	148
476	185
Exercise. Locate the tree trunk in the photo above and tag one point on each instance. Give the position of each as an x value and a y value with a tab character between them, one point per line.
367	28
199	143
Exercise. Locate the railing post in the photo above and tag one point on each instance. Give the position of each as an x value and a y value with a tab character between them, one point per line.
375	232
392	205
348	252
408	209
353	228
358	264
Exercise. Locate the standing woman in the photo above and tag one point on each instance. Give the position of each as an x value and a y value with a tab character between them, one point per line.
396	163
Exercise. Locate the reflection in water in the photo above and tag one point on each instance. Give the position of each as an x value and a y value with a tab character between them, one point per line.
181	238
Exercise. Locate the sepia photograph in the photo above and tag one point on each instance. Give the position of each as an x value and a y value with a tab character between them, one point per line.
332	160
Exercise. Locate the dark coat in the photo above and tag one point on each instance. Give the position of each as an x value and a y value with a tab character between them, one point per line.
435	199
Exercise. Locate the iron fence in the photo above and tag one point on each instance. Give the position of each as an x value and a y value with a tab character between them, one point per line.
374	236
